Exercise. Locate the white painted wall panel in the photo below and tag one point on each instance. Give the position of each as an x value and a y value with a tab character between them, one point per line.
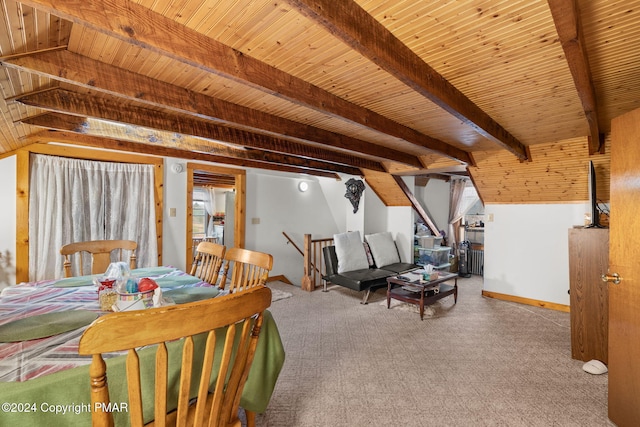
526	249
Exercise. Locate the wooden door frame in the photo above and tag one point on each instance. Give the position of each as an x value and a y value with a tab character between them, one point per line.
240	188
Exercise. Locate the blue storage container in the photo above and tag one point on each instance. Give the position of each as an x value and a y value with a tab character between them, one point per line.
435	256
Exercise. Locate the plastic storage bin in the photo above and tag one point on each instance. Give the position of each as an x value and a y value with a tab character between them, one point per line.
434	256
429	241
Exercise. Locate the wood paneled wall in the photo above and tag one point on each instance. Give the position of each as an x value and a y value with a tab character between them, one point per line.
386	188
558	174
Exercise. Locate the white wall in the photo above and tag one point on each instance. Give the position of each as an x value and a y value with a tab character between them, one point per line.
400	224
435	199
8	221
278	205
526	249
376	213
174	229
338	205
396	219
220	200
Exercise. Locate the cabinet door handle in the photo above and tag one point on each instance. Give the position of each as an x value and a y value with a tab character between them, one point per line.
614	278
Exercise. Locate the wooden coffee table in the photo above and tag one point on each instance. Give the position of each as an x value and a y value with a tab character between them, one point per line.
425	292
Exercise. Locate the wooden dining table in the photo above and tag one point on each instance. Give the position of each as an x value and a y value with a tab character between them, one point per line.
44	381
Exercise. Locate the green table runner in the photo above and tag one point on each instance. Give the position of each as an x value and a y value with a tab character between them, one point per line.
173	281
72	282
151	271
183	295
45	325
163	282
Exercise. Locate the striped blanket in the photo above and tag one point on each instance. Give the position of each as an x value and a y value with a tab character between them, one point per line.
25	360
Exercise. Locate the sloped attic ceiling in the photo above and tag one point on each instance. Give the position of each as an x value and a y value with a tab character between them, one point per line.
326	88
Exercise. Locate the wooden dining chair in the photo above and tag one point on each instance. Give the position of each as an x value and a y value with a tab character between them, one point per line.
208	261
100	252
232	324
244	269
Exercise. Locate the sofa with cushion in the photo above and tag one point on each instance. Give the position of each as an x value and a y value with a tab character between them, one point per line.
363	266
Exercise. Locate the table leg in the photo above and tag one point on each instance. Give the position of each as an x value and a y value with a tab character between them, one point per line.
388	294
422	304
455	291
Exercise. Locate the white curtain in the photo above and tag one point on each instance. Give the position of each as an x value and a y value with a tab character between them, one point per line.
463	196
73	200
209	197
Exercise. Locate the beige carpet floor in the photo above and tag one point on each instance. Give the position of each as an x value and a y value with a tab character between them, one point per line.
481	362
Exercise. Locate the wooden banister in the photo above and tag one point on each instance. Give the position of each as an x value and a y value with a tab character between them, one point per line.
306	278
313	262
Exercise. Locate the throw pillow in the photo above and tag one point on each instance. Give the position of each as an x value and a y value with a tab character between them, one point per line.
383	248
350	252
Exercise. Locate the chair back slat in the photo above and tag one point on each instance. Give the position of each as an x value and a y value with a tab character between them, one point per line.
244	269
162	367
237	377
202	404
185	382
224	358
101	253
134	388
217	402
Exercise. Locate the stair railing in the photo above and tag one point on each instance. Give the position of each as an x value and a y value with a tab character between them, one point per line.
312	260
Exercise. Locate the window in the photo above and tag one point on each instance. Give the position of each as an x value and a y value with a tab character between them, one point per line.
75	200
200	216
469	197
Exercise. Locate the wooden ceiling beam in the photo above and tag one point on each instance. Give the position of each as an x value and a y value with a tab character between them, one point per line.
136	24
69	123
417	206
440	176
354	26
51	135
63	101
78	70
566	16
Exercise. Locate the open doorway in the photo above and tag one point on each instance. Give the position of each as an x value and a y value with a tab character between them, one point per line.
216	199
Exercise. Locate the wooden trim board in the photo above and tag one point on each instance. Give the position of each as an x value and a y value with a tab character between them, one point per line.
527	301
280	278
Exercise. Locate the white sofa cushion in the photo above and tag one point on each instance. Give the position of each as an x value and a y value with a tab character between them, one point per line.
383	248
350	252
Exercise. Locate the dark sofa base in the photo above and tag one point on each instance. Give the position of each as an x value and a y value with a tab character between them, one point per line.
367	279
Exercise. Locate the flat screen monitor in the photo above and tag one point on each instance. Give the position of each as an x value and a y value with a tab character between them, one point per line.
593	198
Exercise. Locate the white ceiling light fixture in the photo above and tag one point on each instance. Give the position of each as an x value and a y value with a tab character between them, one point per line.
303	186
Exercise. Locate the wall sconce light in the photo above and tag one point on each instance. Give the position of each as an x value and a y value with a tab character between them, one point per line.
303	186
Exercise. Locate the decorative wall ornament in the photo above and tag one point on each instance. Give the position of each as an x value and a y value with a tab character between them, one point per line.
355	188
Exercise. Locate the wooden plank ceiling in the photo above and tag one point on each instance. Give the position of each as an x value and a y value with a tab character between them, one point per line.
492	88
